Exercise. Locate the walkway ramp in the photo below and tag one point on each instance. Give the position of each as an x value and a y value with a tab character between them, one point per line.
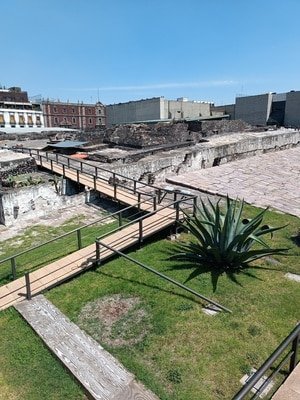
100	374
96	183
73	264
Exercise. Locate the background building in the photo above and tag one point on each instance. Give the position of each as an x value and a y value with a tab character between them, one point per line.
16	111
85	117
156	109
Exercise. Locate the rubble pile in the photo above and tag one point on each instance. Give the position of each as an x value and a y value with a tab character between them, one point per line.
142	135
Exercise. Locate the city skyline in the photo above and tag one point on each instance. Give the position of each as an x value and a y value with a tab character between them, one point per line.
127	50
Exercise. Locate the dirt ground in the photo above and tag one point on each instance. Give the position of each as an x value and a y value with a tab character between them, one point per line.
56	218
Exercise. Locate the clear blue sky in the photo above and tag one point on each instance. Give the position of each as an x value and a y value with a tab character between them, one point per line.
132	49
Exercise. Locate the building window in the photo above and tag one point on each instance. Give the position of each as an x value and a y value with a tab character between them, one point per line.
65	119
74	120
100	120
2	122
38	120
29	120
73	110
12	120
21	120
90	120
55	109
89	111
55	120
64	110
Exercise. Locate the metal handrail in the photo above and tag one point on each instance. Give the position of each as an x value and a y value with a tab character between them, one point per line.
31	151
162	276
174	204
293	338
77	230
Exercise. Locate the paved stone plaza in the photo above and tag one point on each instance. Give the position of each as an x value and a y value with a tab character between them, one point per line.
271	179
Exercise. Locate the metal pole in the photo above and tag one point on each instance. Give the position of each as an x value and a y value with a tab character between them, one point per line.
28	289
51	164
154	203
96	171
139	201
79	241
95	183
166	277
56	157
64	170
194	206
295	348
175	198
77	175
140	231
134	187
13	267
98	261
68	162
159	196
120	218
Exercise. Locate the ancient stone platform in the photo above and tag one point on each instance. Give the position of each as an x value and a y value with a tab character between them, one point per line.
101	375
271	179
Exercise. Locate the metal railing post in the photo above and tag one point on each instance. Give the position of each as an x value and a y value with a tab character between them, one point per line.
139	201
51	165
159	196
134	186
64	170
28	288
56	158
81	166
154	203
194	206
77	171
79	241
96	171
295	348
47	156
68	162
95	182
13	267
98	261
175	198
140	231
120	219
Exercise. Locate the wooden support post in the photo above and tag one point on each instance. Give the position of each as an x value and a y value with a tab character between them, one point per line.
28	288
13	268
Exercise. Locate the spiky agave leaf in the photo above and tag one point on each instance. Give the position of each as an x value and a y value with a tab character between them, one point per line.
224	240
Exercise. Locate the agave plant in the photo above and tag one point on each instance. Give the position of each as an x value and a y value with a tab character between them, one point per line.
224	241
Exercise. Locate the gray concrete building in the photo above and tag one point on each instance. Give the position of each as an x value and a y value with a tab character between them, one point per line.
254	109
155	109
292	109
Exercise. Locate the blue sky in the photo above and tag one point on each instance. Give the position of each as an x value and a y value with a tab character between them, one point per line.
131	49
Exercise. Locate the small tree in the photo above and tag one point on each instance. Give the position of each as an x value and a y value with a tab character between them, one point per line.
224	241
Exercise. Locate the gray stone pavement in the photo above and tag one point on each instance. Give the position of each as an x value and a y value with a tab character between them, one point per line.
271	179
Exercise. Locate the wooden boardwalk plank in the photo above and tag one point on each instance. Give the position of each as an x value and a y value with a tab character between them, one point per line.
98	371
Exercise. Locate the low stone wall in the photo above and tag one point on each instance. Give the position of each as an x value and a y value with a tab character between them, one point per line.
218	150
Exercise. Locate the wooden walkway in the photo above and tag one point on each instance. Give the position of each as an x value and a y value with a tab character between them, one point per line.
100	374
290	389
65	268
96	183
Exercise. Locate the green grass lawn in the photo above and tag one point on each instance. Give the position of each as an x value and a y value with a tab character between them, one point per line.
185	354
